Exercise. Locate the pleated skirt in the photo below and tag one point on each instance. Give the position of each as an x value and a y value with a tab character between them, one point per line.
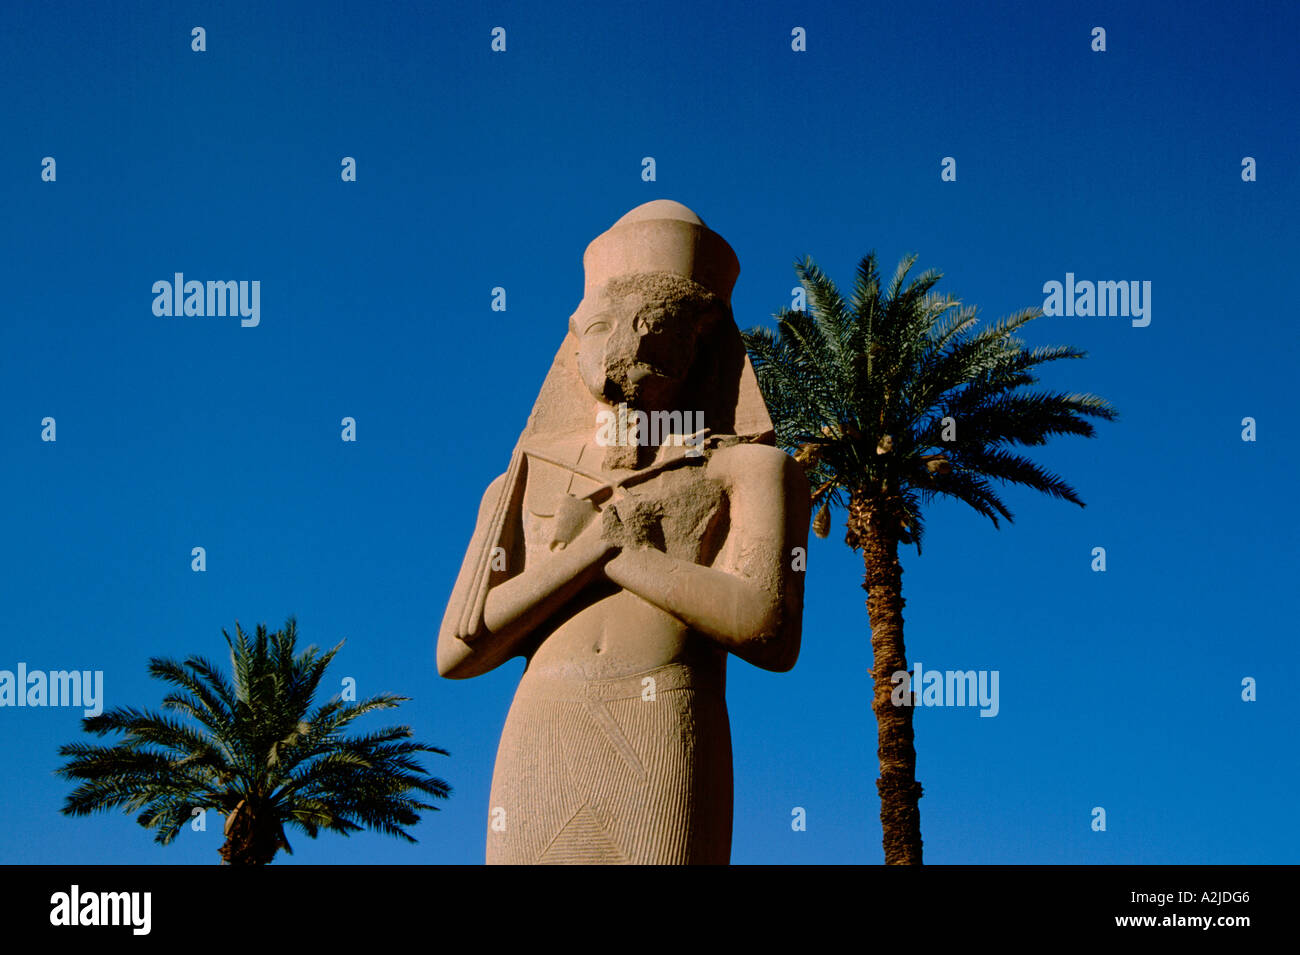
631	770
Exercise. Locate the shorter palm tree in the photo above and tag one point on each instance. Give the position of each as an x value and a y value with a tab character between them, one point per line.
254	752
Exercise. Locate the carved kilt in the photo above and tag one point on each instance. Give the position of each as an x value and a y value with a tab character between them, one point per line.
597	771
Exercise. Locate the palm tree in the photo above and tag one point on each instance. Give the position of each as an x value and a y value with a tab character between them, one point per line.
889	402
253	752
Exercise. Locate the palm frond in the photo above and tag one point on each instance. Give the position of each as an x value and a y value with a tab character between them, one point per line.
865	395
255	747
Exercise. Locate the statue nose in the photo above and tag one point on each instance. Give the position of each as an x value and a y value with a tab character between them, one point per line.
626	338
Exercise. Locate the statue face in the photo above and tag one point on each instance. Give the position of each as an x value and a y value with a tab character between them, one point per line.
633	349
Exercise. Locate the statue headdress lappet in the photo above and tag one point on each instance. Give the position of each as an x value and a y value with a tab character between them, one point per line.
628	576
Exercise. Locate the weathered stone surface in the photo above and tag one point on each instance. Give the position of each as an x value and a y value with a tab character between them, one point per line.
627	572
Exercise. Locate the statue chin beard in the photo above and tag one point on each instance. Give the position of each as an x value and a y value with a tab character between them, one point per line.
641	387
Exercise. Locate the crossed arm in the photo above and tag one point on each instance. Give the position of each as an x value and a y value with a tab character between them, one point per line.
515	607
750	603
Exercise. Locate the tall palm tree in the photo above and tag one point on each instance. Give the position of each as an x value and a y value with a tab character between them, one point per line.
254	752
890	401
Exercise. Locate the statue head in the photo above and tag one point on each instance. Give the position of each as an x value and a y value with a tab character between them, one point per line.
655	330
656	281
637	337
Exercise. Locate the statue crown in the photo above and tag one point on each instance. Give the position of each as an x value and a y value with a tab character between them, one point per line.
662	236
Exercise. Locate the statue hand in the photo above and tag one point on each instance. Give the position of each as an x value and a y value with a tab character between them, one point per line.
613	532
582	527
632	523
572	517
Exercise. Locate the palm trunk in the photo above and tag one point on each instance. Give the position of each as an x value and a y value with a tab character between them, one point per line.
249	840
874	526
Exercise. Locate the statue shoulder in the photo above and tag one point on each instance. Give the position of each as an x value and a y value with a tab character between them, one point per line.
762	463
492	494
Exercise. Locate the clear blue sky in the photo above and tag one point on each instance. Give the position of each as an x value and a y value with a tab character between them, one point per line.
1118	689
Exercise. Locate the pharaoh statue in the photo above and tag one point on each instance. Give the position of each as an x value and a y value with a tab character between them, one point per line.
627	563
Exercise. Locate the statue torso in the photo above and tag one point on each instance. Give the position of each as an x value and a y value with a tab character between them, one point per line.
606	632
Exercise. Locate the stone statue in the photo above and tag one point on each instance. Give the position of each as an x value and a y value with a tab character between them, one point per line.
645	529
